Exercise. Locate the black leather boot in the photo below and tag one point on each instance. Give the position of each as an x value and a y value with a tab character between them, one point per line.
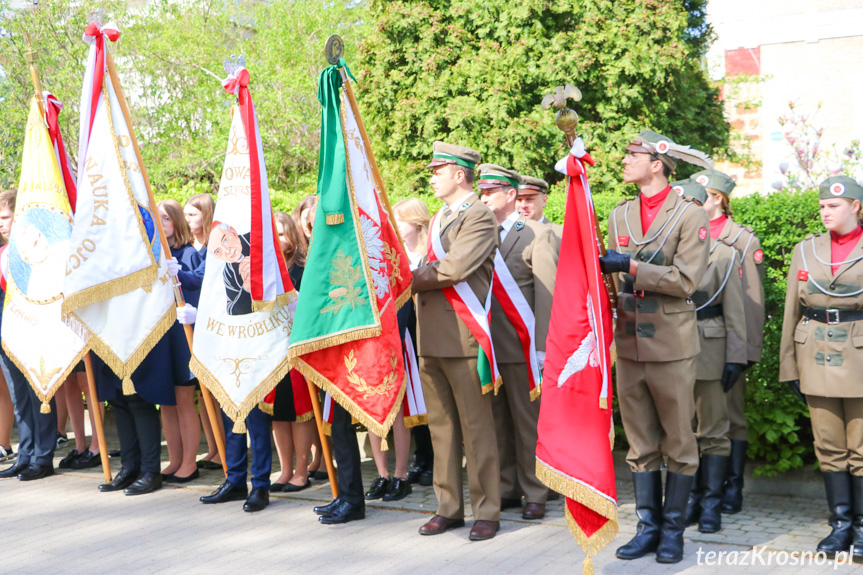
648	501
677	488
732	499
693	503
838	486
713	468
857	517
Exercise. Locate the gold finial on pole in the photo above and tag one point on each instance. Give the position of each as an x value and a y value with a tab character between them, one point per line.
566	119
30	58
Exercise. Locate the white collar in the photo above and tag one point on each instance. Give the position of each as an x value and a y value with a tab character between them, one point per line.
510	221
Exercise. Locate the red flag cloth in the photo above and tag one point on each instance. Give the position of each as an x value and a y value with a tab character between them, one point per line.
576	390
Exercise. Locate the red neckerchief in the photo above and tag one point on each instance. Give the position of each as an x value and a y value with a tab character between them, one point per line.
650	207
841	246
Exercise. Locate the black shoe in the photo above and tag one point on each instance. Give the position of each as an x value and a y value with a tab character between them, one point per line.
343	513
208	465
227	491
66	462
291	488
857	517
146	483
277	487
398	489
36	471
693	504
838	487
177	479
677	488
415	472
427	478
327	510
732	499
713	478
319	475
86	460
61	440
257	500
378	489
13	470
648	501
124	479
114	453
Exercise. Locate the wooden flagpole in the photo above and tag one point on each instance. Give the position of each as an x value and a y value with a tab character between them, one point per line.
325	443
166	249
29	56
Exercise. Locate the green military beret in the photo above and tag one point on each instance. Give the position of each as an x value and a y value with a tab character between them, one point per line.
443	153
715	180
690	189
840	187
492	176
531	186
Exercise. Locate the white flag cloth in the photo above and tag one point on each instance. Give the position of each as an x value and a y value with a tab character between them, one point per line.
33	334
117	289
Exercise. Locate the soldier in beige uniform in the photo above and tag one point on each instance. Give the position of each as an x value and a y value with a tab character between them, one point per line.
660	264
723	227
531	201
527	251
458	411
722	333
821	354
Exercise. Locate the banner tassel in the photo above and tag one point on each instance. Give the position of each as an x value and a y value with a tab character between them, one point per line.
46	407
384	445
603	403
128	386
587	566
239	427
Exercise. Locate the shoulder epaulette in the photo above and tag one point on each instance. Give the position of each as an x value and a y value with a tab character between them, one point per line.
623	201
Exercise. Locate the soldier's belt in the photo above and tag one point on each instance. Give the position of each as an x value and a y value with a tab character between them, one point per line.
628	288
831	316
709	312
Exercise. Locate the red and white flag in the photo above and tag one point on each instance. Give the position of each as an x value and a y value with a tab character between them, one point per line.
576	391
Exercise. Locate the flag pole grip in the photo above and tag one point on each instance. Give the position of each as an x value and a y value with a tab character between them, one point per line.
95	409
325	443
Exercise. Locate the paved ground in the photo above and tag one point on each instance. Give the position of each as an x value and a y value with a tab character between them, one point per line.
64	525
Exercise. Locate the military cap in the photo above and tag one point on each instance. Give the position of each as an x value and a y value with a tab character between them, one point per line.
531	186
492	176
443	153
840	187
690	189
715	180
666	151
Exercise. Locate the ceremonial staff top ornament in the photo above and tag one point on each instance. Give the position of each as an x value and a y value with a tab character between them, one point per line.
334	49
566	119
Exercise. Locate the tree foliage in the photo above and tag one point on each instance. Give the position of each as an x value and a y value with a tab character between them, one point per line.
434	69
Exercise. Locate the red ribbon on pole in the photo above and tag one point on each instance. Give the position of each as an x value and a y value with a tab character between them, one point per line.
99	35
52	113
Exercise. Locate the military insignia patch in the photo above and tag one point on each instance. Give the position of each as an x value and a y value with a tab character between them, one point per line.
837	189
702	234
740	270
803	275
519	225
662	147
758	256
678	189
702	179
623	241
464	206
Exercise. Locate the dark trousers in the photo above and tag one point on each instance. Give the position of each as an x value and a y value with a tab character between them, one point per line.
237	455
424	452
37	432
140	431
346	450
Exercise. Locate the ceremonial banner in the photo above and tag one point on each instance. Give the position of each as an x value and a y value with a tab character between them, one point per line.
247	299
346	337
576	401
118	292
34	335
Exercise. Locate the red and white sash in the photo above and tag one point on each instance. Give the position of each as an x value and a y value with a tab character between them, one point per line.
4	268
415	411
466	304
520	315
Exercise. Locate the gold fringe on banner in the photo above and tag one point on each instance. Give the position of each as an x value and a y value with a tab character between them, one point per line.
536	392
305	417
282	299
107	290
492	386
45	396
266	407
379	429
45	408
335	219
414	420
403	298
128	386
325	342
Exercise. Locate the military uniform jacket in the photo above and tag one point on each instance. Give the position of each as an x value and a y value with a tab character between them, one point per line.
748	246
827	359
528	252
469	236
722	338
657	323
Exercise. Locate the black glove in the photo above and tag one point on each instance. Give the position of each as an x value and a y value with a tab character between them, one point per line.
795	387
614	262
730	374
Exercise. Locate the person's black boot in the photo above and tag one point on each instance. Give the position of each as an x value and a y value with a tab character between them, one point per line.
677	488
838	487
732	499
648	501
693	503
713	468
857	517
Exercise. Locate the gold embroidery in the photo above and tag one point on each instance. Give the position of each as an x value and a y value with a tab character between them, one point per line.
43	376
347	277
393	256
362	386
239	366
